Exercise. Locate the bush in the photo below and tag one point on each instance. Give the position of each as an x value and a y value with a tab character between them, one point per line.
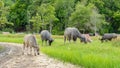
8	30
56	32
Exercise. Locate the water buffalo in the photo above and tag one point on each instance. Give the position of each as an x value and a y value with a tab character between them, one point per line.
109	37
30	42
87	36
72	34
46	36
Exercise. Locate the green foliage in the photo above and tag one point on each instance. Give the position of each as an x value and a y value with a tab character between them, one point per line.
8	2
3	16
80	16
109	9
63	9
8	30
36	23
86	18
56	15
44	17
50	16
18	15
116	18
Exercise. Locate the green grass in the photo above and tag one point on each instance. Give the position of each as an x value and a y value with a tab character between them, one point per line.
91	55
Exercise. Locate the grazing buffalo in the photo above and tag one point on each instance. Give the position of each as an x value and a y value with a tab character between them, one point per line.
46	36
87	36
73	34
30	42
109	37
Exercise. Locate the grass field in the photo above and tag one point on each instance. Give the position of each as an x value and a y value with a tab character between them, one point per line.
91	55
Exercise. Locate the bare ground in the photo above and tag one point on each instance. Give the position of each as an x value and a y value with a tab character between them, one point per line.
12	57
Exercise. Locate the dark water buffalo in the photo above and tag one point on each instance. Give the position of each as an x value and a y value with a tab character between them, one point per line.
46	36
109	37
30	42
72	34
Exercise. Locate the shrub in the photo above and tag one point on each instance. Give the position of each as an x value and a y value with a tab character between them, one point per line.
8	30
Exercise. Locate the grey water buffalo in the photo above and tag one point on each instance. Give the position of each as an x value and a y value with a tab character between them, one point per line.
72	33
46	36
29	43
109	37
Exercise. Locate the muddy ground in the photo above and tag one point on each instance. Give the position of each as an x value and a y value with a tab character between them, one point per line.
12	57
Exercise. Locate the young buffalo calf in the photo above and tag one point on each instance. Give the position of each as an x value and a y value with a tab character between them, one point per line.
29	43
87	36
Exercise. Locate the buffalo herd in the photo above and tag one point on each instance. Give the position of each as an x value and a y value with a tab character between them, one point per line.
70	33
73	34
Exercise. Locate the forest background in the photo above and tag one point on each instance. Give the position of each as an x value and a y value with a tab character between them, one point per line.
89	16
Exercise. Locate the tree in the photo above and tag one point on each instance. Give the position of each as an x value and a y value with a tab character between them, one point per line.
2	19
116	23
80	16
86	18
109	8
9	2
18	14
63	9
50	16
47	14
3	13
56	15
96	20
36	23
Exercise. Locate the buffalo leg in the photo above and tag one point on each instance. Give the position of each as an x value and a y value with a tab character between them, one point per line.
35	51
30	50
23	47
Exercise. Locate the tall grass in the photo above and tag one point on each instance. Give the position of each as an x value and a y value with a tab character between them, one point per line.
91	55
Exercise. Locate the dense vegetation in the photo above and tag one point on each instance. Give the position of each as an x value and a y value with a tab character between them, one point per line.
55	15
91	55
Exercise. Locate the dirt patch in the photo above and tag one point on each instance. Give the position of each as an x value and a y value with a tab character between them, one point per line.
12	57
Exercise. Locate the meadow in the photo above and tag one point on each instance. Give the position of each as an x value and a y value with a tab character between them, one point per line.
91	55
